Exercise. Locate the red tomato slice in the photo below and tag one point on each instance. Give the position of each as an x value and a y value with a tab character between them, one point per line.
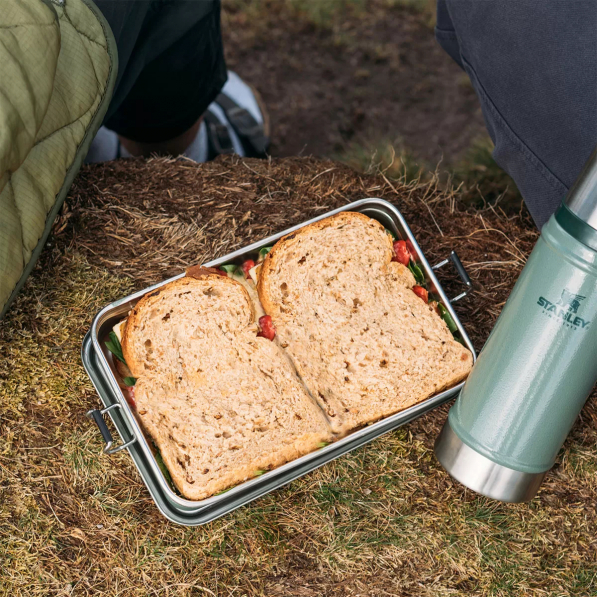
401	253
411	250
421	293
247	265
267	328
129	394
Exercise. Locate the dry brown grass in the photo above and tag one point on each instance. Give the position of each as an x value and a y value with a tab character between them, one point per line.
385	520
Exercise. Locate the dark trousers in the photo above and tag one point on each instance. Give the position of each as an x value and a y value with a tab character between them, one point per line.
533	64
171	65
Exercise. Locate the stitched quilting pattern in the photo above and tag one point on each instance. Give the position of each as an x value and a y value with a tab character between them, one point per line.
54	69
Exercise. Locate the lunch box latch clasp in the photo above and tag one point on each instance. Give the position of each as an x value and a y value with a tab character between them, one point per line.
462	273
98	416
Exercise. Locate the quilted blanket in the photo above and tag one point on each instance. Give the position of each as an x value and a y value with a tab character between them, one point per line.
58	64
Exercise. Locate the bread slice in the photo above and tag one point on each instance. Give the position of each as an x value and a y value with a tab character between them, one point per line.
364	343
220	403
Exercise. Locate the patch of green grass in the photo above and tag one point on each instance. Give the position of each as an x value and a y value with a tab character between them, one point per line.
579	461
384	157
324	14
585	581
477	176
482	181
83	456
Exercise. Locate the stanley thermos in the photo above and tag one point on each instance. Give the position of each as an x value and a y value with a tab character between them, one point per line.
539	364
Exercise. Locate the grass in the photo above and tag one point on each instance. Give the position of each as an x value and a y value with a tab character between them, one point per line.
387	157
323	15
384	520
82	457
482	181
478	178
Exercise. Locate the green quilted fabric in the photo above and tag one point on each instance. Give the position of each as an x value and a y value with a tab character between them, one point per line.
57	70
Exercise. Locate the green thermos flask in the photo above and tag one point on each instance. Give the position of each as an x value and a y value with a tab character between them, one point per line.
539	364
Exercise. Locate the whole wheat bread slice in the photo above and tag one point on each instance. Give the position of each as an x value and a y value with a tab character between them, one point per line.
220	403
363	342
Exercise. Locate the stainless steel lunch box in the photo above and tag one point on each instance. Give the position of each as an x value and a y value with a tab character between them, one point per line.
98	363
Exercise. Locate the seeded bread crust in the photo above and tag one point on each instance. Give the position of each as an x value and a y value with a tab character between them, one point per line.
220	403
365	345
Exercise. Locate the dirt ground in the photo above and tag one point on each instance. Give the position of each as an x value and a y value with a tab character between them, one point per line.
340	73
384	521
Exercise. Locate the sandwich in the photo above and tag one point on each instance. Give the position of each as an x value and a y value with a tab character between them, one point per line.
237	370
221	403
358	328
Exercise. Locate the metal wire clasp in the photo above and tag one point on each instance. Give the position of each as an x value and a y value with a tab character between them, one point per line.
462	273
98	416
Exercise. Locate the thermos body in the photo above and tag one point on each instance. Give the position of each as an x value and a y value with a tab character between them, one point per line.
540	362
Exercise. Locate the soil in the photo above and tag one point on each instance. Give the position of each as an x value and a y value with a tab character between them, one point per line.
371	75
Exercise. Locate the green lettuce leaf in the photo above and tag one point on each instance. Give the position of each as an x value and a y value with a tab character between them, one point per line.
162	465
113	345
229	269
447	318
417	273
263	252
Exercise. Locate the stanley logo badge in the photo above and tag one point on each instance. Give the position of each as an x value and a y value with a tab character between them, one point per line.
565	309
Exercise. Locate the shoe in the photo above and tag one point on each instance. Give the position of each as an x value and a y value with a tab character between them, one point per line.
236	122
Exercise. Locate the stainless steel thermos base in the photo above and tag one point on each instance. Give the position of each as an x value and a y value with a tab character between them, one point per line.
482	474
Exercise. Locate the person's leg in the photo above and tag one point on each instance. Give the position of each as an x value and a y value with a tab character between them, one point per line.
171	68
175	146
169	97
533	64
